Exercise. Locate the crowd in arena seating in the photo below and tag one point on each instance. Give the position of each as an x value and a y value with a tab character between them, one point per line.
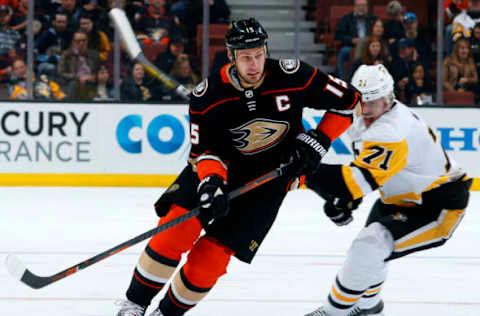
73	47
398	41
74	56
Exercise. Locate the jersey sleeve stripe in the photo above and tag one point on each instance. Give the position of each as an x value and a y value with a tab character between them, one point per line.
355	101
368	177
347	113
293	89
214	105
350	179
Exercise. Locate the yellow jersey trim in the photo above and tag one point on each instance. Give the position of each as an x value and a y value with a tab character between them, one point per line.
84	180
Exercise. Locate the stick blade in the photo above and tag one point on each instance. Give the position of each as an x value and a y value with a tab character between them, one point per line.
15	267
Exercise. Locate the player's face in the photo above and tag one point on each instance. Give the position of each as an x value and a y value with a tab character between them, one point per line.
372	110
250	65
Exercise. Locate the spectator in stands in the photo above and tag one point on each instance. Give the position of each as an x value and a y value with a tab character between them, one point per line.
43	89
349	29
183	73
104	23
136	87
451	9
125	61
459	71
94	7
69	7
50	43
419	89
465	21
19	19
421	43
394	25
402	65
13	4
156	23
97	40
9	38
179	9
175	48
475	46
374	53
377	31
103	84
77	65
219	14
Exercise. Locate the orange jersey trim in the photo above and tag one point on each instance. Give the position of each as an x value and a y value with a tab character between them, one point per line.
214	105
334	125
223	73
293	89
208	167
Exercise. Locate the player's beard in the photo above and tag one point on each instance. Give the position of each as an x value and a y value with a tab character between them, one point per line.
250	82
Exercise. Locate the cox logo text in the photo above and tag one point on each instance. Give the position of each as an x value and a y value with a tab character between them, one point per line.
165	134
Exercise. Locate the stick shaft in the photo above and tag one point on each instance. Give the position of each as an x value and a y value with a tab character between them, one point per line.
37	282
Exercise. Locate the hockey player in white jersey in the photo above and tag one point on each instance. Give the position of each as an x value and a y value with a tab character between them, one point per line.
424	194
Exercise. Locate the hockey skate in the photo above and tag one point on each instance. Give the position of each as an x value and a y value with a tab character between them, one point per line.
127	308
156	312
376	310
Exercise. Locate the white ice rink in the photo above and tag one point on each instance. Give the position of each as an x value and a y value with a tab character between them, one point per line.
51	229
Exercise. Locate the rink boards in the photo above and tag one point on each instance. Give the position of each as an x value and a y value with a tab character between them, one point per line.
61	144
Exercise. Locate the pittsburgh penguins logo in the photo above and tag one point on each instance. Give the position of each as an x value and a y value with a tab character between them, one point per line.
289	66
201	88
258	135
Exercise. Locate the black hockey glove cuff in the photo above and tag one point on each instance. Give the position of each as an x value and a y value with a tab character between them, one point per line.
340	210
213	198
310	149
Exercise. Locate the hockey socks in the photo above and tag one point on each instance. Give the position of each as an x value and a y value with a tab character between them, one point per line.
181	296
149	276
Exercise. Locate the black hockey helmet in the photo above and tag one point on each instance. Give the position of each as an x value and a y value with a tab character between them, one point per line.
243	34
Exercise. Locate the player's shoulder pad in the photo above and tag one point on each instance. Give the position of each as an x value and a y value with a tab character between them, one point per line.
206	93
289	65
201	88
382	132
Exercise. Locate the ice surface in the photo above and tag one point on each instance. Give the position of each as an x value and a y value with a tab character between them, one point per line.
51	228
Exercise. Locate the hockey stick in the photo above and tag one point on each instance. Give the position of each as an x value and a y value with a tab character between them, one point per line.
123	26
19	271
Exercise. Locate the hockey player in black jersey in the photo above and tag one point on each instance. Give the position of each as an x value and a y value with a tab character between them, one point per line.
245	120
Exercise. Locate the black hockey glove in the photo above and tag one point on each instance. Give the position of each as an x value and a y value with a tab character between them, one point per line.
340	210
310	149
213	198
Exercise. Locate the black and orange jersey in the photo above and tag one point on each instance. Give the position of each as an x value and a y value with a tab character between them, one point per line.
251	131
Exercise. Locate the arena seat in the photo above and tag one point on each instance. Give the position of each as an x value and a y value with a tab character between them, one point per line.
380	11
459	98
153	49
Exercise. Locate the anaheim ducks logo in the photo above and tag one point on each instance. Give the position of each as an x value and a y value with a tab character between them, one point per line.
258	135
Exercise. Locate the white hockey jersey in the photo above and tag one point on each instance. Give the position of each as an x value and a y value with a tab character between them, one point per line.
400	154
463	25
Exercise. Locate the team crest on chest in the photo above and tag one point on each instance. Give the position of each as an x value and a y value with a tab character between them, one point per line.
201	88
258	135
289	65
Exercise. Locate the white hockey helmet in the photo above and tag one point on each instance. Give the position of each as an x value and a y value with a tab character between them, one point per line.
374	82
